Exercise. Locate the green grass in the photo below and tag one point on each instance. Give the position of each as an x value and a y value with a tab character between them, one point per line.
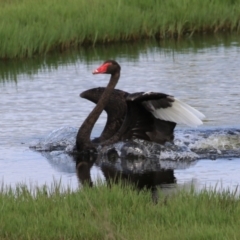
117	213
30	27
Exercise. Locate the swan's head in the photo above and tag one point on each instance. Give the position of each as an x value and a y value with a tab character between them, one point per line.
108	67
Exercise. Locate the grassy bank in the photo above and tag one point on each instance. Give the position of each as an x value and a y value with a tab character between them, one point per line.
30	27
117	213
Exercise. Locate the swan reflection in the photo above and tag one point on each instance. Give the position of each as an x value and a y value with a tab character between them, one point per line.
151	173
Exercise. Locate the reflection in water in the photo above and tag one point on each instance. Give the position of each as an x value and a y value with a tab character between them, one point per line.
142	173
127	171
10	70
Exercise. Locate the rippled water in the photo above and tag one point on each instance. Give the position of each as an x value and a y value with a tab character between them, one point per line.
42	95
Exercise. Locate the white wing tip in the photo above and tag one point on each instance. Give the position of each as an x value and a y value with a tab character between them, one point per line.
147	93
191	116
180	113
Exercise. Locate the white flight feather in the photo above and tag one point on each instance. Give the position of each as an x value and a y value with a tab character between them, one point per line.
191	109
180	112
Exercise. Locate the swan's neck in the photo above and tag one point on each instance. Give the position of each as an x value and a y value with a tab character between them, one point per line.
83	140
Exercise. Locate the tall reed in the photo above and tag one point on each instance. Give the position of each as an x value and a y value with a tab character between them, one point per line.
29	27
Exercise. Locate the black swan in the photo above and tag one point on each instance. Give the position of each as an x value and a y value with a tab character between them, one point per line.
150	116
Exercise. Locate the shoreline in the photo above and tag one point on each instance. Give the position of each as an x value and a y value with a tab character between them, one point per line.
30	28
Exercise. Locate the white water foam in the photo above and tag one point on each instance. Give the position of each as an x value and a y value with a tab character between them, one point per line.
188	144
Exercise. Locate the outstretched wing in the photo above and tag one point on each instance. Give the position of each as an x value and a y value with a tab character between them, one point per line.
168	108
140	122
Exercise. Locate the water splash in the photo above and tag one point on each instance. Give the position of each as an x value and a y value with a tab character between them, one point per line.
188	144
63	138
143	149
211	143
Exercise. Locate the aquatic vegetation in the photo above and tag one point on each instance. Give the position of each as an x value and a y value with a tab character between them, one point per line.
117	213
30	27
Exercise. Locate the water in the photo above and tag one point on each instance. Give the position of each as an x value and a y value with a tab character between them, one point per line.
41	95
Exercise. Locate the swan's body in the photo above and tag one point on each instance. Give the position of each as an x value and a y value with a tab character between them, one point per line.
150	116
116	110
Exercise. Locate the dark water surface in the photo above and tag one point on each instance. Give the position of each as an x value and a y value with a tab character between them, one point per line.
41	95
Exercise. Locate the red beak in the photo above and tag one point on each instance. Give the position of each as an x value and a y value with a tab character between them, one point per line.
101	69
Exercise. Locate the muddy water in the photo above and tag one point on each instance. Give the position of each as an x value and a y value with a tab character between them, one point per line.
41	95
